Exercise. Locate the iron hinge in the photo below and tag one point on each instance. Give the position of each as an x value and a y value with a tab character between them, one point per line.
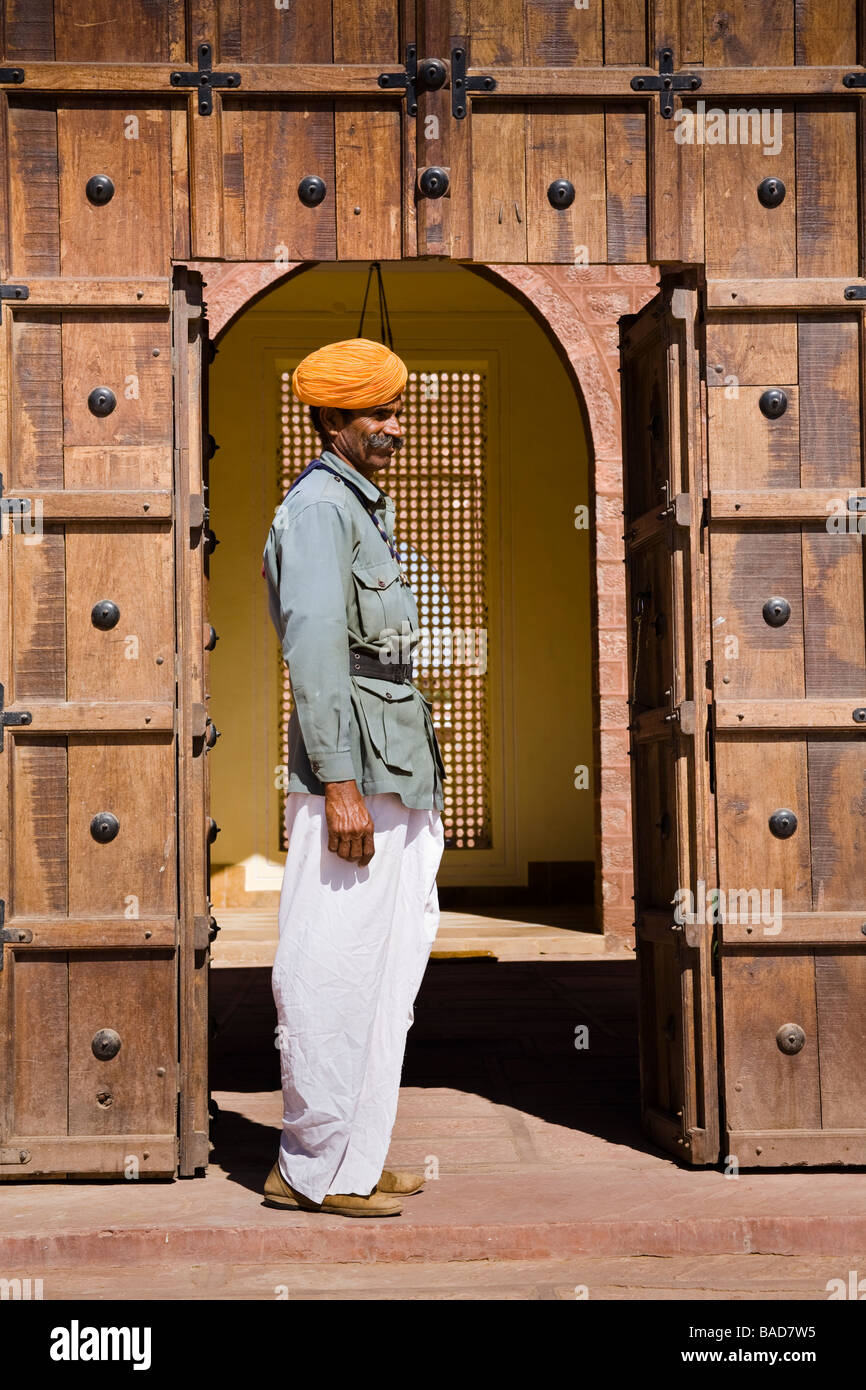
854	79
461	84
205	79
667	82
11	74
12	935
407	79
17	716
13	292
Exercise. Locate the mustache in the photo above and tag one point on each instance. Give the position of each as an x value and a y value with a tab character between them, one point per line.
383	441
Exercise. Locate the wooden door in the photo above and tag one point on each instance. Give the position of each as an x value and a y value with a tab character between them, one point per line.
786	524
101	640
671	797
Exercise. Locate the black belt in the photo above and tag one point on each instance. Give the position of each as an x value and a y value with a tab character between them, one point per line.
360	664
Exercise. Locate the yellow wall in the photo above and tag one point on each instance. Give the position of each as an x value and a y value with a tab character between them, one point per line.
539	656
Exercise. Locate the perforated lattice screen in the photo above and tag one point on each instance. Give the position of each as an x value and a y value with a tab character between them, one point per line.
438	482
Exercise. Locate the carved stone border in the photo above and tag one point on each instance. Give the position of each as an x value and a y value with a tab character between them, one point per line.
580	307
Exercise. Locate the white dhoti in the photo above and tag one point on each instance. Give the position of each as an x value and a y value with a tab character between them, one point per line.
354	944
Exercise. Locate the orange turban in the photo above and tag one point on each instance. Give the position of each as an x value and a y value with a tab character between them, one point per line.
351	374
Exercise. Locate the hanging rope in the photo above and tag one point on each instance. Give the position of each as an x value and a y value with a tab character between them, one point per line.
384	316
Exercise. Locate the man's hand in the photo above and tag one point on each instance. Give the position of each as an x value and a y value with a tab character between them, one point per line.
350	825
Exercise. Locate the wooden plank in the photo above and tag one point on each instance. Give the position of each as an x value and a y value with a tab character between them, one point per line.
304	32
180	210
751	660
91	933
559	33
783	504
835	634
568	142
798	1148
825	32
36	402
747	450
37	668
756	776
204	137
743	34
34	200
765	246
132	777
368	173
141	293
364	29
89	504
77	716
792	929
132	146
141	1079
626	181
234	209
765	1088
829	400
625	37
130	355
498	33
146	31
39	859
762	353
37	985
289	79
676	194
278	225
134	568
827	202
29	30
190	597
790	294
499	183
787	714
717	83
840	982
103	1155
837	818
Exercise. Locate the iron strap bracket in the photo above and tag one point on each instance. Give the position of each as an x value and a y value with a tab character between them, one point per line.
21	716
10	934
854	79
407	79
13	292
205	79
11	74
461	84
667	82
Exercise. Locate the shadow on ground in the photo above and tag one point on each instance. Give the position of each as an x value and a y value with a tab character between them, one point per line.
503	1030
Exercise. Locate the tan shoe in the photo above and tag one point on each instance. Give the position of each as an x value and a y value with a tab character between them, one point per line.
279	1194
402	1180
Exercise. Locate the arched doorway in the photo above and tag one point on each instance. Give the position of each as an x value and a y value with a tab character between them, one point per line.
553	464
492	499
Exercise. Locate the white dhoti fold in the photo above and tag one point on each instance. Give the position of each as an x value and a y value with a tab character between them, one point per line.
354	944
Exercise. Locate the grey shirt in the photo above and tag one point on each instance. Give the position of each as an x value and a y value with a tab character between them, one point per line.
333	586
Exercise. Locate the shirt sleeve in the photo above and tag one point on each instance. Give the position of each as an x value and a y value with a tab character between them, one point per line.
313	554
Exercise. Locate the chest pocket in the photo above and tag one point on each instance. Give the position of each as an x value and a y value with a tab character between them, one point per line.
381	597
394	720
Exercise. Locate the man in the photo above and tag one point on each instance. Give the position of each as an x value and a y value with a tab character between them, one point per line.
359	908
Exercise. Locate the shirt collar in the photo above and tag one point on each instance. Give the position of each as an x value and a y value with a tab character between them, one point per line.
369	489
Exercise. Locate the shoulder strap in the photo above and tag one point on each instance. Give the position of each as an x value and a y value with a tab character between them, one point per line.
369	507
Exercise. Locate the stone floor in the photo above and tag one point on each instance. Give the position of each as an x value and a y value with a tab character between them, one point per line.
541	1185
